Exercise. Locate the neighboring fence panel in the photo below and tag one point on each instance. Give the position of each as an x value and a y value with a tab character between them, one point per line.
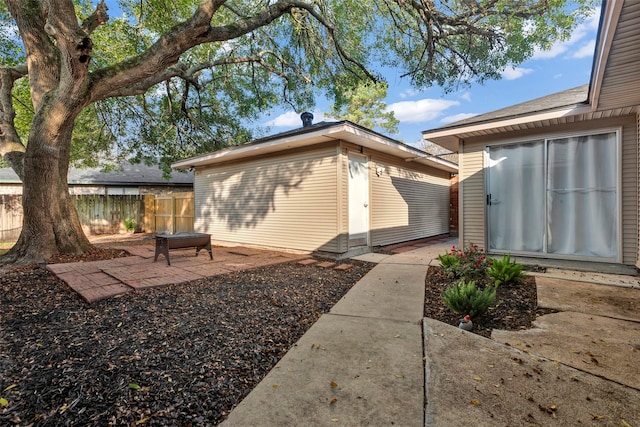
101	214
10	217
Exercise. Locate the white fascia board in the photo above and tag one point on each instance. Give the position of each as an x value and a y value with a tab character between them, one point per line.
445	137
345	132
607	30
249	150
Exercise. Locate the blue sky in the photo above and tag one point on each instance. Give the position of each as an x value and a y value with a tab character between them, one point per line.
566	65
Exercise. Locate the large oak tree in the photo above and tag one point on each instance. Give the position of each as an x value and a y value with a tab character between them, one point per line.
205	66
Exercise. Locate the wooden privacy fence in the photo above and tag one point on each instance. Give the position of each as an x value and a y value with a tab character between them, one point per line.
102	214
10	217
174	213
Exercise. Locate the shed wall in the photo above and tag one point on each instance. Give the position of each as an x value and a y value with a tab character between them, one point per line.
286	200
472	192
408	201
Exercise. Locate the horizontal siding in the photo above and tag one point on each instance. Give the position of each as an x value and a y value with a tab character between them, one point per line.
471	187
407	203
284	201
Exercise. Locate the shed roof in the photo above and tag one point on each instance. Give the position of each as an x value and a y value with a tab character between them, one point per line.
315	134
126	175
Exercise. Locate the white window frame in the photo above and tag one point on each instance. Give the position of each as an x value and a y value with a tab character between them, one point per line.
546	138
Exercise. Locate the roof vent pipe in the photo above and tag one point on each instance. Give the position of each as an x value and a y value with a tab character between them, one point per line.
307	119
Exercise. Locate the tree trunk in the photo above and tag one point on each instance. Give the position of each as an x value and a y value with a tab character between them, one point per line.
50	223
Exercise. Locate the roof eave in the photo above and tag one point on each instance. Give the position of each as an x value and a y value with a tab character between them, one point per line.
344	131
449	138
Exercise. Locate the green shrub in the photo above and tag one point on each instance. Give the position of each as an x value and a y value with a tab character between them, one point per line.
130	224
469	264
504	271
448	261
465	298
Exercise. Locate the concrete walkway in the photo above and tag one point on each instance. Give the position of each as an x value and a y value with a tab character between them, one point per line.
361	364
374	361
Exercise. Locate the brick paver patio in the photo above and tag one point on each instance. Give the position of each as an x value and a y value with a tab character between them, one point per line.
98	280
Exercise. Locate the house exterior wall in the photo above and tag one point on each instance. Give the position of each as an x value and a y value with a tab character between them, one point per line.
284	201
408	200
472	179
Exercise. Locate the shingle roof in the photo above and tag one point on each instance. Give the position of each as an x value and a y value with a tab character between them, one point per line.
127	175
574	96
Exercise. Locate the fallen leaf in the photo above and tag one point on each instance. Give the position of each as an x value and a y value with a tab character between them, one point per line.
332	401
334	420
10	387
133	386
478	378
334	384
475	402
624	423
3	401
597	417
274	385
142	421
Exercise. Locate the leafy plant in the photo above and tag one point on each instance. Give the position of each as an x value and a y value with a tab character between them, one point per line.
465	298
448	261
130	224
504	271
469	263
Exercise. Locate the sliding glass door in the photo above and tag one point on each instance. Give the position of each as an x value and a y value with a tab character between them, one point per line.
556	196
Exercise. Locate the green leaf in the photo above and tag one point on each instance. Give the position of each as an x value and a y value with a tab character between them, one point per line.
3	401
133	386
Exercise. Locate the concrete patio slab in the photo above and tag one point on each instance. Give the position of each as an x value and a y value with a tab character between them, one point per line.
571	295
602	346
471	380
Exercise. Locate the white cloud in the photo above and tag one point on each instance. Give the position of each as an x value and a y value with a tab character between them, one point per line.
586	50
466	96
288	119
421	110
291	119
457	117
512	73
580	32
408	93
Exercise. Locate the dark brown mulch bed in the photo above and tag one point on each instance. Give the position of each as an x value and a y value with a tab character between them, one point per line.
516	304
181	355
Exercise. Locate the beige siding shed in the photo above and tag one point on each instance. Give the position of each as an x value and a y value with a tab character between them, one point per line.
291	191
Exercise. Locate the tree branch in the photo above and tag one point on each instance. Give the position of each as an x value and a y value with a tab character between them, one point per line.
97	18
11	147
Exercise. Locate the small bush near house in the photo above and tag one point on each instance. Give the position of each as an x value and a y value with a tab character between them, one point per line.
465	298
468	264
504	271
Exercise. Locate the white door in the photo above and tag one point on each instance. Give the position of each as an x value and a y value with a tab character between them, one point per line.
358	200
